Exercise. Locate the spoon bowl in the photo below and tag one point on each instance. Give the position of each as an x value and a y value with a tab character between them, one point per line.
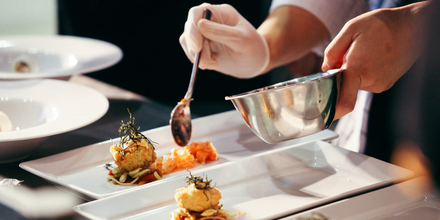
180	121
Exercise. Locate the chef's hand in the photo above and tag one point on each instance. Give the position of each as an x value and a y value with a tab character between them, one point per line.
375	49
233	45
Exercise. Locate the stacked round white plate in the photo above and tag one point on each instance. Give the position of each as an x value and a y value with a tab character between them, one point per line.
34	103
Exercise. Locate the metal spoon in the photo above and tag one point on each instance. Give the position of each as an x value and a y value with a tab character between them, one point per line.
180	121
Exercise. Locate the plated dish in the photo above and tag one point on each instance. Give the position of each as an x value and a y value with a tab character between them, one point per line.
84	169
268	185
39	108
25	57
137	163
200	200
400	201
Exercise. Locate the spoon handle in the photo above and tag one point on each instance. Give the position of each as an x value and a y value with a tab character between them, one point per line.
206	15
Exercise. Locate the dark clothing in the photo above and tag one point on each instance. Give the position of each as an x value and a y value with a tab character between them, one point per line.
394	113
430	96
410	110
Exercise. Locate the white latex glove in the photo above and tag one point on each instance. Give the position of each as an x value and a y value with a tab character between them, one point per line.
233	45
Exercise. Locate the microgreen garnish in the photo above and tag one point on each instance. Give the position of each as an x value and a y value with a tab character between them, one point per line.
130	131
198	181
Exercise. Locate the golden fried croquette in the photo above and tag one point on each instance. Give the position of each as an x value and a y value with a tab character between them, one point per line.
197	200
136	155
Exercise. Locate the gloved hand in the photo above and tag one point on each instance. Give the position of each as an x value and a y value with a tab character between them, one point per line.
232	45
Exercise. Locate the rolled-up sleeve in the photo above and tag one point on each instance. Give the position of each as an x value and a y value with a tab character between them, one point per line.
332	13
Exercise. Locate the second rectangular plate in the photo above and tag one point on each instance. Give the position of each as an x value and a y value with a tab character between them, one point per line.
268	185
408	200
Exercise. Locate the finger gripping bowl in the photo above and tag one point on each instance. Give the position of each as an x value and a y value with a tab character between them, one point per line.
290	109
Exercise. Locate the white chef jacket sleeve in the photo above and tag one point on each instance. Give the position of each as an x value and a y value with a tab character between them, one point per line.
332	13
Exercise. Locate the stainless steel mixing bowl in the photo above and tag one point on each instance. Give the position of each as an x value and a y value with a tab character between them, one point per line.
290	109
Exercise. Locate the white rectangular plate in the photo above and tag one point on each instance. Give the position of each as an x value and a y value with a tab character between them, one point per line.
269	185
83	169
403	201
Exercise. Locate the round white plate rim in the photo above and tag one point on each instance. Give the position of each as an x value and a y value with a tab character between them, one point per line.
92	107
113	52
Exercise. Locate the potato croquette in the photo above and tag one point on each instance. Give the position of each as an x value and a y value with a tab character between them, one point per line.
138	154
198	200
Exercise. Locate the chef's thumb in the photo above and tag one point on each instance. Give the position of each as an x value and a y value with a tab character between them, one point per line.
335	52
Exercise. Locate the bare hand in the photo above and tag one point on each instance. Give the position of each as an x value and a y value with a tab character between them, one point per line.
376	49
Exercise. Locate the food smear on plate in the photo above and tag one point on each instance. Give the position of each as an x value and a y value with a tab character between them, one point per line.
22	67
5	123
199	200
24	64
138	164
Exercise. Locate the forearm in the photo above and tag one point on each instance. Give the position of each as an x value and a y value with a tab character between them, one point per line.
377	48
411	19
291	32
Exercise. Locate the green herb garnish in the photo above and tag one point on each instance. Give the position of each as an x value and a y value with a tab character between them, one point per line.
198	181
129	132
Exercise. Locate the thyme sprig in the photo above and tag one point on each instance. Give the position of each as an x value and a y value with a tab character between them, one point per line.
130	131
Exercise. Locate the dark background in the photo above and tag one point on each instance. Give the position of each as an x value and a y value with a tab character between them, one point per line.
154	64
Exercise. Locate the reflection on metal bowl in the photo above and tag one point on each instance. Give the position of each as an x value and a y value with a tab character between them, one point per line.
290	109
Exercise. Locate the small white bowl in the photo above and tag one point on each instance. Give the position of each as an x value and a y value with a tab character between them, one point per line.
54	56
39	108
